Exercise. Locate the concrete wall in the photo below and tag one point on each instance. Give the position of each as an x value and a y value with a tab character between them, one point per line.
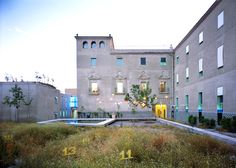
46	101
212	77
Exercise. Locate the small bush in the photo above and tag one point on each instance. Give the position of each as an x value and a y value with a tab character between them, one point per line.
192	120
208	123
229	124
233	124
225	123
201	119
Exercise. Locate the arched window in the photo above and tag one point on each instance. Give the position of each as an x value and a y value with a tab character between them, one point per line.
85	44
102	44
93	44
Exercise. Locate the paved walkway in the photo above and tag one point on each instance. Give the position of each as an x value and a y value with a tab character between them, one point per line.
221	137
73	120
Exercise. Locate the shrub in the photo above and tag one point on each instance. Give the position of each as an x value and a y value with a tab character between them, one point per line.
208	123
192	120
225	123
212	123
233	124
229	124
201	119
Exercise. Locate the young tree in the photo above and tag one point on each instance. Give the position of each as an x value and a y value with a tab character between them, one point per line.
16	100
139	96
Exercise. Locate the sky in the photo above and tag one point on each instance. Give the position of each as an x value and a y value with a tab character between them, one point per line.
38	35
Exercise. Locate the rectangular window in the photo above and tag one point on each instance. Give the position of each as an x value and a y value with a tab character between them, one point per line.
187	49
177	104
120	87
200	38
199	101
163	61
220	55
163	87
143	61
200	69
177	78
186	103
73	101
143	85
177	59
94	88
220	104
93	61
220	20
220	91
119	61
200	65
220	99
187	73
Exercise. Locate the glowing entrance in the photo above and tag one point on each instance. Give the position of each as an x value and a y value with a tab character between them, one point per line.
160	110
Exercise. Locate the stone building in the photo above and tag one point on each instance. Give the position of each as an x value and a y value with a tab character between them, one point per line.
105	74
197	77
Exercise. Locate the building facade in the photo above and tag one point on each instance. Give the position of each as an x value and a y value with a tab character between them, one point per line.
104	74
197	77
205	65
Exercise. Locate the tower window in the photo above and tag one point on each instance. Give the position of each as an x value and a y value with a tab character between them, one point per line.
93	44
85	44
102	44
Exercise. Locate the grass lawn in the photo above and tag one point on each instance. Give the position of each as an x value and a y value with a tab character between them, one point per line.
62	146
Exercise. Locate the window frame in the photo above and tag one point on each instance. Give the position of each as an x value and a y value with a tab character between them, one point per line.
200	101
176	103
186	103
102	44
220	20
119	91
119	61
93	44
187	49
143	61
163	63
93	90
85	45
92	61
177	59
187	73
177	78
200	38
220	56
143	85
200	67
